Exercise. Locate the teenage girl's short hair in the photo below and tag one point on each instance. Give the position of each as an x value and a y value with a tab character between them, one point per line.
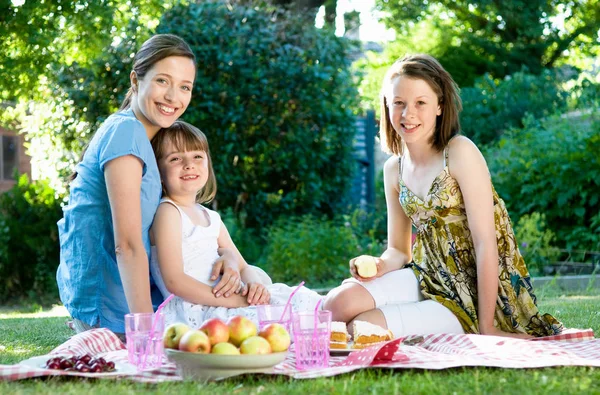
186	137
153	50
428	69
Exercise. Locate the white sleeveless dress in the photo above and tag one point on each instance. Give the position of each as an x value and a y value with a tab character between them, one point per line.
199	250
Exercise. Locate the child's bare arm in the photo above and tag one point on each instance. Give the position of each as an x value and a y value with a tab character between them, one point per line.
399	227
168	239
468	167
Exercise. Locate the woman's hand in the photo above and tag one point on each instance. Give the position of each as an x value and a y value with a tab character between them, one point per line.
257	293
228	267
493	331
379	263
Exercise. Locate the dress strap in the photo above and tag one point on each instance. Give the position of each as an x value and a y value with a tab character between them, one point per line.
184	216
446	151
446	156
400	169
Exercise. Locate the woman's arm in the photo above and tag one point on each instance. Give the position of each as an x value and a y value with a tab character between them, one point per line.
123	177
256	292
399	228
166	231
468	167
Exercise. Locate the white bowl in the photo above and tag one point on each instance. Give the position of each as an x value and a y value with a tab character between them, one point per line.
207	367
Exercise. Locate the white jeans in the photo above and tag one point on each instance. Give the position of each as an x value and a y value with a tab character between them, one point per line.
398	296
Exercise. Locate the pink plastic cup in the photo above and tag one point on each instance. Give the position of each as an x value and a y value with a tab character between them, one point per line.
269	314
144	347
311	339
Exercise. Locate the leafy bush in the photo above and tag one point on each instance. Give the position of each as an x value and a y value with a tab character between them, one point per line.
29	248
276	99
492	107
312	249
551	167
535	242
249	241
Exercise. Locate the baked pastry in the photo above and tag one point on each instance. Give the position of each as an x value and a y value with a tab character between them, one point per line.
339	336
367	334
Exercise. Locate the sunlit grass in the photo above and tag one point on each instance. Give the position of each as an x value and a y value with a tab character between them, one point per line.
35	331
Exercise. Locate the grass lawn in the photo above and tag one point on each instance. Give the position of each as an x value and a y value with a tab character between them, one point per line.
25	333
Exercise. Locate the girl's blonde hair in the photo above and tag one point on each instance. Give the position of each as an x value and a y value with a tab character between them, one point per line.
428	69
186	137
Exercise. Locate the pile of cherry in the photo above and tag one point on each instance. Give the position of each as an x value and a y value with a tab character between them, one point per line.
83	364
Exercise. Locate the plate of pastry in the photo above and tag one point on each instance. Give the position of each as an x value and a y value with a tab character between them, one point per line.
365	335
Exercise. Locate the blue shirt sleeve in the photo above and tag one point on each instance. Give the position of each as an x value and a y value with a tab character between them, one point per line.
126	137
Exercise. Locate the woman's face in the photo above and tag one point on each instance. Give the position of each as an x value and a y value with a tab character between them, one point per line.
164	93
413	108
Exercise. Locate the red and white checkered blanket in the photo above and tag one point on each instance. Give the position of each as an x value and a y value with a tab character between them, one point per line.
574	348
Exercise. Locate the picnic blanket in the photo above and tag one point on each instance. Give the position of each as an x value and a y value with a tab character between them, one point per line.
573	348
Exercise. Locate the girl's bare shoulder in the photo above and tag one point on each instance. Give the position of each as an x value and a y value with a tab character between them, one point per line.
391	164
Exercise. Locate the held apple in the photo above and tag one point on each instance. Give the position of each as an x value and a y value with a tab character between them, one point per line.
173	334
195	341
225	349
217	330
240	328
255	345
277	336
366	266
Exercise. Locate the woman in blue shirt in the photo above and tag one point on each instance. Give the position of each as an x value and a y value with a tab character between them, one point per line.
105	247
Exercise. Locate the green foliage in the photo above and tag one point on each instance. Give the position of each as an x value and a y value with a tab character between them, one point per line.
551	166
36	37
493	106
506	35
247	240
431	36
312	249
276	99
535	242
29	248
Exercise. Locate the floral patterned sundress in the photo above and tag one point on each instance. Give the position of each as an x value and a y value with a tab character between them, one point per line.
445	265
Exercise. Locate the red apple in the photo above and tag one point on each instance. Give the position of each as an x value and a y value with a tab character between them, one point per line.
255	345
217	330
240	328
277	336
225	349
195	341
173	334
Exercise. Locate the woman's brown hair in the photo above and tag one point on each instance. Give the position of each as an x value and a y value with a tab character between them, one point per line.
428	69
186	137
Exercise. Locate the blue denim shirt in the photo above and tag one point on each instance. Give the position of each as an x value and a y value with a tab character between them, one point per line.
88	277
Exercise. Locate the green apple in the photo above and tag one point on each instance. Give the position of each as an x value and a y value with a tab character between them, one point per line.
195	341
173	334
277	336
255	345
225	348
240	328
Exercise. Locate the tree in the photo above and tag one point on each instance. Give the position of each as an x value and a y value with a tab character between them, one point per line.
36	38
306	8
505	35
276	99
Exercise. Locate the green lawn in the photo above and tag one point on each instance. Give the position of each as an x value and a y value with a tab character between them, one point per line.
24	334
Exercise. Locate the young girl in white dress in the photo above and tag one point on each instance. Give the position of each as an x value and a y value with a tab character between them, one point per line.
186	237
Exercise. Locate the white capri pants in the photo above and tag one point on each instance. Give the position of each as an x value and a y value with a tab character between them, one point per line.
398	296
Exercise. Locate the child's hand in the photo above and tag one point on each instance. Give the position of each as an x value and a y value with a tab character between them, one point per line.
354	271
257	293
